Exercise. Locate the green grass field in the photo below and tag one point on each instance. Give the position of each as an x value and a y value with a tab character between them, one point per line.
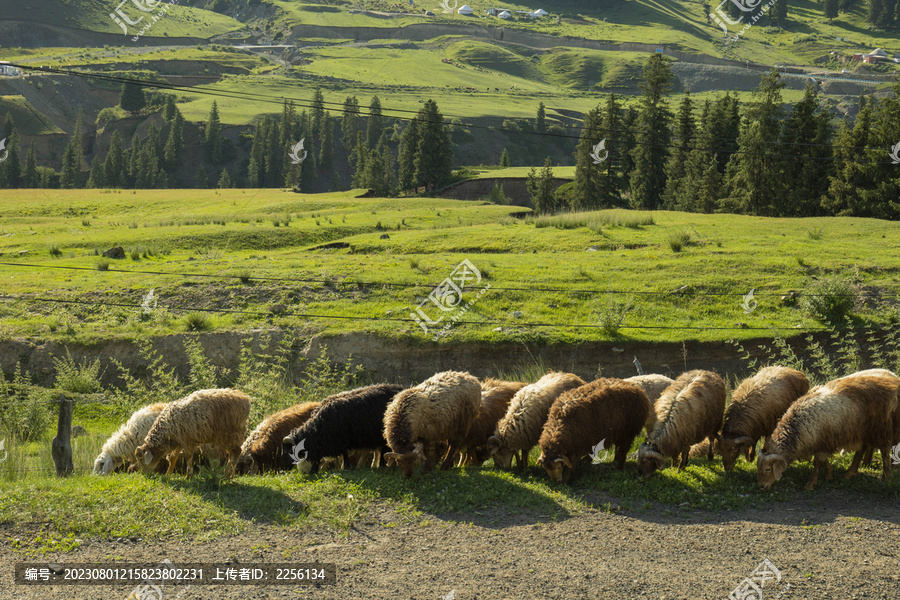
601	276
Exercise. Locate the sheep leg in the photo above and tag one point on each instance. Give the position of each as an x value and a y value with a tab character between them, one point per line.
231	464
189	458
448	459
854	466
347	463
684	459
870	454
173	460
621	455
522	458
886	462
811	484
827	470
709	452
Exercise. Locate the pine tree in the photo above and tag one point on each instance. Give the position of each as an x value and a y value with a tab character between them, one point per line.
214	134
676	168
831	9
540	123
308	171
648	180
70	176
224	180
318	113
170	110
31	178
373	178
409	145
780	13
200	179
175	141
611	131
628	142
389	175
434	155
13	163
114	165
361	153
753	174
504	159
588	176
256	169
350	123
375	122
275	154
326	152
97	178
134	160
541	189
853	173
8	125
805	157
132	98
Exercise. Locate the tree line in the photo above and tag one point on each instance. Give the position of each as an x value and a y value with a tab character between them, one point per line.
758	158
381	155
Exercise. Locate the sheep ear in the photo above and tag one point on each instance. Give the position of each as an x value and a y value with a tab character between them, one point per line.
778	468
565	460
743	440
287	441
148	457
493	444
108	466
391	456
540	460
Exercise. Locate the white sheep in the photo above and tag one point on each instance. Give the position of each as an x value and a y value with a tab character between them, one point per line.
217	417
119	448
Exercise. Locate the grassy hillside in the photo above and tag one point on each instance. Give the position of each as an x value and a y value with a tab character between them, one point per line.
246	234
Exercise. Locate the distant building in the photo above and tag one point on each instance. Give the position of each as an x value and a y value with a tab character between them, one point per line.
875	55
9	70
465	9
540	13
504	15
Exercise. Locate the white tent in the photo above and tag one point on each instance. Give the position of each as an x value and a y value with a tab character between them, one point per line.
465	9
878	52
540	13
504	15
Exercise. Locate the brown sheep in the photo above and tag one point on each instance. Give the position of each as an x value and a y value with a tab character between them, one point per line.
440	409
688	411
217	417
520	429
653	385
261	450
848	414
612	411
495	398
756	406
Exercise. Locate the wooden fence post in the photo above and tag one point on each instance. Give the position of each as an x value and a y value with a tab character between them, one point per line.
61	448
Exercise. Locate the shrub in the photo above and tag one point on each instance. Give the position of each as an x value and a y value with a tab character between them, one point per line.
829	300
678	240
197	321
24	409
55	251
102	264
79	379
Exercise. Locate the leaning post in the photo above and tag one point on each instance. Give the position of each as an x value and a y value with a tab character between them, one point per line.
61	447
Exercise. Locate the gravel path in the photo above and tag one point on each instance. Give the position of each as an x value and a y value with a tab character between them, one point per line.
827	545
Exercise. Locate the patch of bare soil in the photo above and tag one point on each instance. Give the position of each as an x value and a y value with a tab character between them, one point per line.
826	545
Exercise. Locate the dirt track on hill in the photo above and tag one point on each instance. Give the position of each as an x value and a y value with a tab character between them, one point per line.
827	545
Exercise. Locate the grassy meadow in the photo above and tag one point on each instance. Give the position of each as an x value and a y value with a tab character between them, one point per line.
607	275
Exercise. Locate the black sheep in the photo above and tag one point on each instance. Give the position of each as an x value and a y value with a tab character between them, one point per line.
347	421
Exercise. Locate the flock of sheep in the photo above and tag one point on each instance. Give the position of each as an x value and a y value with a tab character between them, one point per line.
452	417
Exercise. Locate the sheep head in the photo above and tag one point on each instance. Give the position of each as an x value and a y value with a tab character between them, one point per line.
407	460
105	465
734	447
650	459
147	458
769	468
501	454
246	465
559	468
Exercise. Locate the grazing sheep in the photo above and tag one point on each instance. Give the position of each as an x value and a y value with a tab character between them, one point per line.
495	398
440	409
612	411
848	413
688	411
217	417
345	422
520	429
119	448
262	448
865	454
756	406
653	385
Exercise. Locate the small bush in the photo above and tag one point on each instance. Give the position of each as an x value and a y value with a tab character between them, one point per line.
24	409
197	321
55	251
611	315
829	300
678	240
816	234
79	379
103	264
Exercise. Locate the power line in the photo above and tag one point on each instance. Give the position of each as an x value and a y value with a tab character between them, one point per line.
678	292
